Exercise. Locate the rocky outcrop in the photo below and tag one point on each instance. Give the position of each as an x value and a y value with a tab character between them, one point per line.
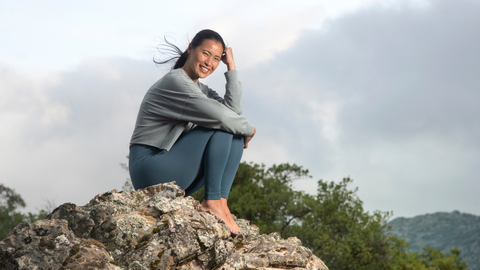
153	228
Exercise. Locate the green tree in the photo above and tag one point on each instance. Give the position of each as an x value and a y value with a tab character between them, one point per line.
428	259
265	196
128	182
402	259
332	223
435	259
10	201
340	232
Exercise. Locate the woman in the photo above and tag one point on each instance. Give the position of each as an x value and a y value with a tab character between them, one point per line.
185	132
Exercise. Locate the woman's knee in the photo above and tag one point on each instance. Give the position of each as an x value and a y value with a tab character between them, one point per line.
221	134
238	142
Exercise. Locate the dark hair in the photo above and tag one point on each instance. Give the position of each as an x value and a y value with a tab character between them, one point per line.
170	48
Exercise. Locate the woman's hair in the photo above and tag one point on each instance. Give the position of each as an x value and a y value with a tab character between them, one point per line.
181	57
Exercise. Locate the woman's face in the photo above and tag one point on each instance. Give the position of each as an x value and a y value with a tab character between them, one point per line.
204	59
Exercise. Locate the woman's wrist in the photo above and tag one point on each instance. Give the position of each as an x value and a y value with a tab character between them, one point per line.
231	66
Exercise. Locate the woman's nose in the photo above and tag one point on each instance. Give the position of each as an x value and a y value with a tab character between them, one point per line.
208	61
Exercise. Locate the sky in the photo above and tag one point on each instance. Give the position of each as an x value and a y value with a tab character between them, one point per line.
385	92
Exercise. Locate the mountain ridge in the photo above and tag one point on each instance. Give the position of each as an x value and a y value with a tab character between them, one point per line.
443	231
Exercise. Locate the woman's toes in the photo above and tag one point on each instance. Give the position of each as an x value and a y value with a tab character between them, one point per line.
235	233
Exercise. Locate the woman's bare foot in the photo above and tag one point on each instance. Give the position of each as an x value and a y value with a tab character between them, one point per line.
216	207
229	215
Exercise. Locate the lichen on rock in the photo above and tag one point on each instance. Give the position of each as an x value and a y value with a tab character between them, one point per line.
153	228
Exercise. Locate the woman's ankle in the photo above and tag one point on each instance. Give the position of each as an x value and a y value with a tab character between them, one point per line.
217	207
211	204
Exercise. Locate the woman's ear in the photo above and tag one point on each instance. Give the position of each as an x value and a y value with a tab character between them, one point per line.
189	49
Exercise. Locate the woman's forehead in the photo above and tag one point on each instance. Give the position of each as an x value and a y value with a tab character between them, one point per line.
212	46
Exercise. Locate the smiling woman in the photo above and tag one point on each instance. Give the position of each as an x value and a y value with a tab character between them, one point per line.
204	59
186	132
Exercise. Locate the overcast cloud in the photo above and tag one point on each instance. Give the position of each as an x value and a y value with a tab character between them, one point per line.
385	94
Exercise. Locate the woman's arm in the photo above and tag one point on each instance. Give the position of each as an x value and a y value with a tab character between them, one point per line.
177	98
227	58
233	87
233	92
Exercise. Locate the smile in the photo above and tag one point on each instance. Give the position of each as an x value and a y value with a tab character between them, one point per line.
205	70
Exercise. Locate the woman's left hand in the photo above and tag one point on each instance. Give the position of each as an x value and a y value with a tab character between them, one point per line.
248	138
227	58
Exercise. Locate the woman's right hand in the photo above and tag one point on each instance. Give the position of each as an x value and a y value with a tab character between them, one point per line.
227	58
248	138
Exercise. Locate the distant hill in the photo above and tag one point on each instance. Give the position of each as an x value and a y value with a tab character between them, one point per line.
443	231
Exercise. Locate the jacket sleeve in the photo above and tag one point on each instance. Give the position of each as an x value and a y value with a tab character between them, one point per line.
180	99
233	92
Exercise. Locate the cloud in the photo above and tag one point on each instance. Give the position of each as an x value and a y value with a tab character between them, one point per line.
64	134
386	95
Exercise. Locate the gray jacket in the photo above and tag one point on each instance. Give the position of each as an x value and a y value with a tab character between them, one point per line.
175	104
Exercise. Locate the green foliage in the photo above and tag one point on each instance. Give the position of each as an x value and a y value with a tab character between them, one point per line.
127	185
332	223
428	259
32	217
265	197
10	202
340	232
128	182
442	231
402	259
435	259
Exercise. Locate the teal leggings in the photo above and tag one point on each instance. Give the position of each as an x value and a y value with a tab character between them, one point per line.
200	157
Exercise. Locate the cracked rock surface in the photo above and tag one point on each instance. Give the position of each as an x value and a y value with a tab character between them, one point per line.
147	229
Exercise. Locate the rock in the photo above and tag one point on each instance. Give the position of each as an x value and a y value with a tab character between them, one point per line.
148	229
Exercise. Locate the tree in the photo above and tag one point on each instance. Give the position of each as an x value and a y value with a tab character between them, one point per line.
265	196
10	201
128	183
340	232
435	259
428	259
332	223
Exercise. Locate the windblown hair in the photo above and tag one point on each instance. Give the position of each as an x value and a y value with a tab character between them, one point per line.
174	53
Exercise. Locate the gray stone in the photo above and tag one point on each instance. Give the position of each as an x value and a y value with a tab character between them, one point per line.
148	229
